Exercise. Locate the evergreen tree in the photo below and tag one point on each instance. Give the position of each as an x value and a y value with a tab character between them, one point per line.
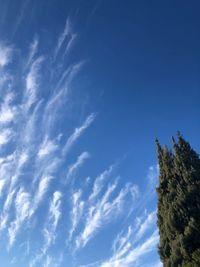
178	215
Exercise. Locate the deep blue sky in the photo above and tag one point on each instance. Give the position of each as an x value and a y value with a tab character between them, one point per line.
94	83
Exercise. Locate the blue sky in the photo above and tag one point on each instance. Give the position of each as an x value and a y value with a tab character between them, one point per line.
85	88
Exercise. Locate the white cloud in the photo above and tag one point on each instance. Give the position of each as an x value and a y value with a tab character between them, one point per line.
28	134
145	225
35	260
158	264
74	167
8	201
130	255
5	136
54	210
124	242
129	247
99	183
40	193
5	77
66	32
54	214
48	261
5	55
68	76
101	212
47	147
152	176
32	81
22	208
7	111
77	211
7	166
20	159
33	51
77	133
71	43
2	185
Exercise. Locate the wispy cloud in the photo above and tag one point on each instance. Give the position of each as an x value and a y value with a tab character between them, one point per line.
7	110
47	147
22	208
20	17
101	212
5	55
48	261
149	221
54	215
32	51
32	82
60	95
71	43
74	167
100	182
5	136
49	233
77	133
5	214
40	192
35	149
77	211
129	247
2	186
131	255
66	33
152	176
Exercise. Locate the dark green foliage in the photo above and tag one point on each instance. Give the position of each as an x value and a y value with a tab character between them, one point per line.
179	205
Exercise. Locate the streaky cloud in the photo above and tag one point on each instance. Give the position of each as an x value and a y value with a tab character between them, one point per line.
130	255
22	209
70	43
32	51
5	214
102	211
5	55
54	215
7	110
40	193
76	212
5	136
74	167
99	183
32	82
47	147
77	133
66	32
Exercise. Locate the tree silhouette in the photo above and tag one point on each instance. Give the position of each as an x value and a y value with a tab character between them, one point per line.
178	215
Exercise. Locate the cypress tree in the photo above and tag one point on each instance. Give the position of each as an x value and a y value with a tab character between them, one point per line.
178	215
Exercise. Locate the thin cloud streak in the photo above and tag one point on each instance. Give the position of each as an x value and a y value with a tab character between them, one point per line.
77	133
47	148
76	212
5	136
7	110
99	183
32	82
40	193
22	208
102	211
66	32
54	215
131	255
32	51
74	167
6	53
